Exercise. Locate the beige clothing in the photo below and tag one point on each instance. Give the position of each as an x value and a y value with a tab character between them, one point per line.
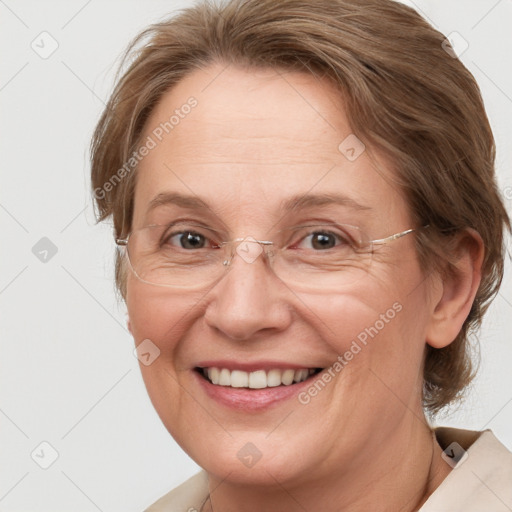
480	483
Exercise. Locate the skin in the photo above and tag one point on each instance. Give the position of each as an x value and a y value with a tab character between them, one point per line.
255	138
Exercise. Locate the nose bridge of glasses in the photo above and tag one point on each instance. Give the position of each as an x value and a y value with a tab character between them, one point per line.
247	248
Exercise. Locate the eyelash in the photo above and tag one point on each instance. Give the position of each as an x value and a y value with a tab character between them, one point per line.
341	238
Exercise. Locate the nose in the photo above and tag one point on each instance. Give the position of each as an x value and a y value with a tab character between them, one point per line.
249	299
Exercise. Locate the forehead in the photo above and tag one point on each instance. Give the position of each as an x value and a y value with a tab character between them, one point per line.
258	115
247	139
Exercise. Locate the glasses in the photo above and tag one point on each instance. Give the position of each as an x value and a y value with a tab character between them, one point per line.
307	257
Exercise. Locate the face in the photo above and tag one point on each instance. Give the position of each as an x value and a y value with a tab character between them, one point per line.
252	142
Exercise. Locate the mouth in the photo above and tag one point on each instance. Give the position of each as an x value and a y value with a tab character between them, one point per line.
258	379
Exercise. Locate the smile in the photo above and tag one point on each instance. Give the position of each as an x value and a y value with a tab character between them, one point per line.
259	379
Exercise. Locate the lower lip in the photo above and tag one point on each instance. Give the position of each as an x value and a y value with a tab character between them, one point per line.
251	399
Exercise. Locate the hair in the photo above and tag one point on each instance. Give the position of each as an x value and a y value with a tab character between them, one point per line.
404	92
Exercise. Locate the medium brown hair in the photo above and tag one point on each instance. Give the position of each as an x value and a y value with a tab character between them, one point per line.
404	95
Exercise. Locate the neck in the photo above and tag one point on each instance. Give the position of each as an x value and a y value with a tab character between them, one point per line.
408	469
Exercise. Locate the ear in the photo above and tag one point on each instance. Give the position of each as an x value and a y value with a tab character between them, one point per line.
128	324
455	290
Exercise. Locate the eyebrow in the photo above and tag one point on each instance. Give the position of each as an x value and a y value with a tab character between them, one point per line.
300	202
294	203
185	201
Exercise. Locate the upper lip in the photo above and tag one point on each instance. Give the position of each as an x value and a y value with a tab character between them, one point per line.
253	366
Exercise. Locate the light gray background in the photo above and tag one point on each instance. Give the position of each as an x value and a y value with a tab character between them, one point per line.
68	374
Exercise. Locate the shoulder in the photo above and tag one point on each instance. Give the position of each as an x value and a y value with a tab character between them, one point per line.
481	478
187	497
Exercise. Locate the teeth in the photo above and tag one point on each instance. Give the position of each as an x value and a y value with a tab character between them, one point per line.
239	379
301	375
213	375
274	378
287	377
224	378
256	380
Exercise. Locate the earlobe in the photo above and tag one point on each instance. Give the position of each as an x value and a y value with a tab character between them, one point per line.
458	288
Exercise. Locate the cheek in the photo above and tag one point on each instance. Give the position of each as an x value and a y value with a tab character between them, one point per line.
376	345
357	315
163	318
159	316
380	325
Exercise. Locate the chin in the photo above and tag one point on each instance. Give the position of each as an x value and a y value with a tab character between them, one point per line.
250	458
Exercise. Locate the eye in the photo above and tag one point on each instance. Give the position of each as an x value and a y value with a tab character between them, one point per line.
187	240
322	240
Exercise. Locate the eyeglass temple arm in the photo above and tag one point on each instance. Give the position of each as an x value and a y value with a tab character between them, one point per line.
397	235
393	237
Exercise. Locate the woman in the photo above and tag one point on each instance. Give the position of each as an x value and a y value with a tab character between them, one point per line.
304	199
